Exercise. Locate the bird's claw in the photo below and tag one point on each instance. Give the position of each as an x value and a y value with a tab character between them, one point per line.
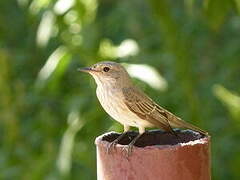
111	146
128	150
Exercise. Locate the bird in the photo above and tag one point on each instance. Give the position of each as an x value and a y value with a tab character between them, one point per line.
129	105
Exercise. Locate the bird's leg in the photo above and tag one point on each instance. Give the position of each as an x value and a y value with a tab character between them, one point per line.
114	143
131	144
174	133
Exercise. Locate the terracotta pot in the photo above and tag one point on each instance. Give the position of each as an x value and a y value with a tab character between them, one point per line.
156	155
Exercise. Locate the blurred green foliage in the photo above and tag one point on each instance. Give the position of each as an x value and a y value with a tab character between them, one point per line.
49	114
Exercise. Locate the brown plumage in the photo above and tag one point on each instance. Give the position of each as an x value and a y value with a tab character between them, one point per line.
147	109
127	104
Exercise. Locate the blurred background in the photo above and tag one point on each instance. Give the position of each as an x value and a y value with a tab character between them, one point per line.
188	52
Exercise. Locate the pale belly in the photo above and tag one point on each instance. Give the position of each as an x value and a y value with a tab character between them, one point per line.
113	104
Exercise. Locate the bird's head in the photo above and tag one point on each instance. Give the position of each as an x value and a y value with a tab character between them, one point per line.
107	72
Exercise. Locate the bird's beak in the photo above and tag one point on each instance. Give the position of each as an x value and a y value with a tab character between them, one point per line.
86	69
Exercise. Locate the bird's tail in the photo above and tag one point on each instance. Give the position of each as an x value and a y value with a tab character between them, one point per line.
178	123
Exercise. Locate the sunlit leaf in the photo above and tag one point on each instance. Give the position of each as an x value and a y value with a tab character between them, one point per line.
147	74
229	99
45	29
65	154
63	6
56	63
107	49
127	47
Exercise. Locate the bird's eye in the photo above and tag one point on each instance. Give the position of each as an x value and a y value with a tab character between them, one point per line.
106	69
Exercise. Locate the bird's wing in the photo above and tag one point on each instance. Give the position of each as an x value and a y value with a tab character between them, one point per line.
146	108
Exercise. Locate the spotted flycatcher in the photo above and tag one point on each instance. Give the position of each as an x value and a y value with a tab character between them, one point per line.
128	105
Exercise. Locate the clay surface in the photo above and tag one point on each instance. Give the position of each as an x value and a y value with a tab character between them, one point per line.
157	155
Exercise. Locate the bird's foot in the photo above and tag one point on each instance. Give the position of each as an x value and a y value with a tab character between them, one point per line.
128	149
111	146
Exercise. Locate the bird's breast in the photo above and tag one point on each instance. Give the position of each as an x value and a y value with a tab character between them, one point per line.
112	102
